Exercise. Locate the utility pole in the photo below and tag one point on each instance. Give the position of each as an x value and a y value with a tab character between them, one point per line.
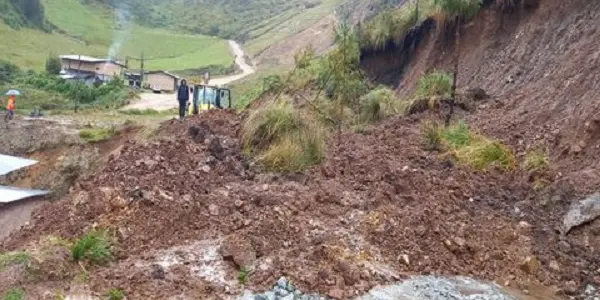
142	70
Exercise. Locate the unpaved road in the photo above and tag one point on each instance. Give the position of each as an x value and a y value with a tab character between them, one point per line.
168	101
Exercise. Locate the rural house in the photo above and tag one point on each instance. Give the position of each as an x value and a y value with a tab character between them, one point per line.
90	68
162	80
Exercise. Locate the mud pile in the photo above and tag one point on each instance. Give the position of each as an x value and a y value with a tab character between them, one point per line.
379	208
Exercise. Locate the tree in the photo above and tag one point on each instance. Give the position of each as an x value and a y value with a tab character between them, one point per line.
455	12
53	65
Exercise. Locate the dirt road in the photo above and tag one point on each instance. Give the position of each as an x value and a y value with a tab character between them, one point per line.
168	101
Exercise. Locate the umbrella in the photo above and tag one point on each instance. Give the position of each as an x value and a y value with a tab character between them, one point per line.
13	92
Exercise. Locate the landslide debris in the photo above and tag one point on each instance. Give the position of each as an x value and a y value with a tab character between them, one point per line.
378	209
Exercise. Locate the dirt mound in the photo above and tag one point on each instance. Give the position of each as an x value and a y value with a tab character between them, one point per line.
379	208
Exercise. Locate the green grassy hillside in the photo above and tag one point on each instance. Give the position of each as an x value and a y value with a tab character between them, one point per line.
90	30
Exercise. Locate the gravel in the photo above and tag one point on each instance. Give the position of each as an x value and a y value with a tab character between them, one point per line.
415	288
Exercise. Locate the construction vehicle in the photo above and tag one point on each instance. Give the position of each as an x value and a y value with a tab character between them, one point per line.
207	97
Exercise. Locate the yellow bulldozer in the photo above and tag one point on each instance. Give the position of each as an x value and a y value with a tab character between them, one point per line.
207	97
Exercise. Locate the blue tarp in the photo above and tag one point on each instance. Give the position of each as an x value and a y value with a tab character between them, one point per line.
12	163
10	194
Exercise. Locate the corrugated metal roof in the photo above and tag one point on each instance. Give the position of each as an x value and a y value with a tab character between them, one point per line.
12	163
10	194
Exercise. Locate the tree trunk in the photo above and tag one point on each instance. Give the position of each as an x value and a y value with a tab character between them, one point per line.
457	23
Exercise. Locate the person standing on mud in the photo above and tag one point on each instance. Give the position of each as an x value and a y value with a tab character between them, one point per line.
183	96
10	108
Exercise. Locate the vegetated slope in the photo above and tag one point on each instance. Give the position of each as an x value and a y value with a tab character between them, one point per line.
97	31
23	13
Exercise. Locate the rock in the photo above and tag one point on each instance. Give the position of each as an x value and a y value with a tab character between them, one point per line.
216	149
590	290
205	168
571	287
213	209
524	224
157	272
575	149
405	259
239	250
476	94
581	213
336	293
288	297
564	246
282	283
554	266
530	265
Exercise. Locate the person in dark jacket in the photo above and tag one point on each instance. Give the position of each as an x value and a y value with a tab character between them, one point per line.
183	96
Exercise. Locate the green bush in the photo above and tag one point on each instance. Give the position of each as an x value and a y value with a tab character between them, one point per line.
379	103
437	83
465	9
14	294
282	139
53	65
93	247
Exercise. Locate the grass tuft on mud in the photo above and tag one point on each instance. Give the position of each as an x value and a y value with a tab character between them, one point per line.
536	161
13	258
92	135
282	139
93	247
114	294
436	83
467	146
14	294
378	104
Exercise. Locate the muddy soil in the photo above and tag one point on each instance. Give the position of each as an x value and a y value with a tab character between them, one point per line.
378	209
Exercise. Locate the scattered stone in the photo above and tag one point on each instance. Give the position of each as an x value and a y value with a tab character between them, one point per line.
336	293
581	213
564	246
554	266
205	168
571	287
524	224
239	250
530	265
158	272
213	209
405	259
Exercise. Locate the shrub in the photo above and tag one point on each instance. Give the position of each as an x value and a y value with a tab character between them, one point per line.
535	161
457	135
282	139
13	258
115	294
14	294
379	103
93	246
437	83
53	65
432	134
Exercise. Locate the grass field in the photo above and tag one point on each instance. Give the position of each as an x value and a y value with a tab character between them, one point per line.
278	28
89	30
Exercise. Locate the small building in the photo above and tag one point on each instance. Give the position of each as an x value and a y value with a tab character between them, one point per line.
86	66
162	80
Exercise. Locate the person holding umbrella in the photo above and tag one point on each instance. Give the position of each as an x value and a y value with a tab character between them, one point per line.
10	106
